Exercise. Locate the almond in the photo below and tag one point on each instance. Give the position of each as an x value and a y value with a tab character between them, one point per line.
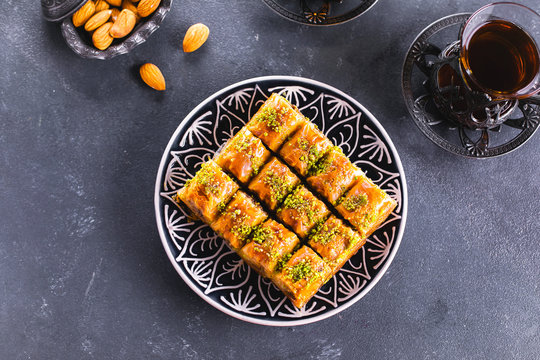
97	20
125	22
115	13
195	37
84	13
128	4
101	37
102	5
147	7
115	2
152	76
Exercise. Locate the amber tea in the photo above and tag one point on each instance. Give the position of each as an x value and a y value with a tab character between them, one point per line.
502	57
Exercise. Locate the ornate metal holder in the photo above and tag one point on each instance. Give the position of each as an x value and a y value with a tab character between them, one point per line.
79	41
329	12
318	16
442	106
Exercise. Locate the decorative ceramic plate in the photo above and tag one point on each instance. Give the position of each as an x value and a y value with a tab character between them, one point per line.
320	12
215	272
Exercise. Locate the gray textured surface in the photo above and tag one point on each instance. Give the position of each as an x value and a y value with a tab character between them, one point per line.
83	272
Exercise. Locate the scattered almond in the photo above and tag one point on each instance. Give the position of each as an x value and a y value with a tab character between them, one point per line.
115	2
195	37
84	13
152	76
102	5
101	37
147	7
97	20
125	22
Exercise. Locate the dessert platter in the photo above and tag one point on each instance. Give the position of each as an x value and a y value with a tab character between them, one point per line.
280	200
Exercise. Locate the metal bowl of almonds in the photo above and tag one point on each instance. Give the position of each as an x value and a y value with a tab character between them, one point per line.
103	29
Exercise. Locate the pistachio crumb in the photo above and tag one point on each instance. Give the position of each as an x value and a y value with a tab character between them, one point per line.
354	202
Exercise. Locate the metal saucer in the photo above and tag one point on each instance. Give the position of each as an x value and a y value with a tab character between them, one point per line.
521	124
323	13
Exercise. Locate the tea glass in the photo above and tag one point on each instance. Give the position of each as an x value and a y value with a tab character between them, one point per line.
459	94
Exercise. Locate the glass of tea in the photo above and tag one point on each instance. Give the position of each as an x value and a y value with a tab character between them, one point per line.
499	53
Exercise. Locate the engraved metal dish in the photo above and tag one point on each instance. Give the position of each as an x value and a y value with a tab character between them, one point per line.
320	12
519	119
216	273
80	41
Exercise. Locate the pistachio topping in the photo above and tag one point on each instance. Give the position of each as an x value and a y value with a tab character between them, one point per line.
256	164
279	188
239	219
302	204
322	166
221	207
302	270
303	144
247	146
264	237
325	234
354	202
366	220
281	262
242	231
206	177
271	117
311	156
261	234
353	239
242	143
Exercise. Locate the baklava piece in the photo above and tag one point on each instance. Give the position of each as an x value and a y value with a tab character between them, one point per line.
335	242
274	182
268	244
305	147
275	121
243	156
333	175
302	276
301	210
207	191
238	219
366	206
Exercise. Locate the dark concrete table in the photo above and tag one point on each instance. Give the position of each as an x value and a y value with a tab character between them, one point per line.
83	271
